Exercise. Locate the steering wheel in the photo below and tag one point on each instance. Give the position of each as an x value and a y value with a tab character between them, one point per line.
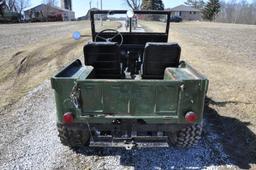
117	33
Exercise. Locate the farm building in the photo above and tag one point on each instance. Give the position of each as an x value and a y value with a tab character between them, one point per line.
44	12
186	12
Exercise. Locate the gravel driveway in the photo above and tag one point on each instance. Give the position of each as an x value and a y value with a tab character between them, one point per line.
29	141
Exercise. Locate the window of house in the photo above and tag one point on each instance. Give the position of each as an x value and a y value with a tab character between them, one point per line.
177	13
194	12
190	12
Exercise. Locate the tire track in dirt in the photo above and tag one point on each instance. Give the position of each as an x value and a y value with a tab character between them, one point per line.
28	68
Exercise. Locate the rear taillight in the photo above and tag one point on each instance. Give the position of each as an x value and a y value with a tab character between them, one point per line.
191	117
68	118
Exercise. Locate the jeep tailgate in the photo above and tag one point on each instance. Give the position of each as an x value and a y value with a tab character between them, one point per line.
129	98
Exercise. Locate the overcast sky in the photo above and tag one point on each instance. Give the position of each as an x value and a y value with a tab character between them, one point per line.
81	6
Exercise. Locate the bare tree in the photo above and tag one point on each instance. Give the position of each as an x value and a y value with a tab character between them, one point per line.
51	2
11	5
17	5
240	12
133	4
21	5
198	4
2	7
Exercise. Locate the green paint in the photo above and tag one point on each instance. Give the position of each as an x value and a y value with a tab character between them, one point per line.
182	90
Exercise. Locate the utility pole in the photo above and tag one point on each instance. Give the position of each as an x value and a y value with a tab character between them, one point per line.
101	15
90	3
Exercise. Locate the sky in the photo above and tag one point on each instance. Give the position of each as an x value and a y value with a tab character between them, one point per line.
80	7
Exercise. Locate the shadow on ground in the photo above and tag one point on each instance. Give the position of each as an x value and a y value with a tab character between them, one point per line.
225	141
238	141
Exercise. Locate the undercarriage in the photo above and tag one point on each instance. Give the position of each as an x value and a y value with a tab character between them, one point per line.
127	135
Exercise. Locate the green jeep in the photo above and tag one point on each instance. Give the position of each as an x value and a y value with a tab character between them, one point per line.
132	89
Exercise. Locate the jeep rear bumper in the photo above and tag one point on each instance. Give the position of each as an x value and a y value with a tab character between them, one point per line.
127	134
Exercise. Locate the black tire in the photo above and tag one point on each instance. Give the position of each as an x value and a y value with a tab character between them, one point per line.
74	137
186	137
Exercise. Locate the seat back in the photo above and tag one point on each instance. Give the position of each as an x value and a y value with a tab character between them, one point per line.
158	56
104	57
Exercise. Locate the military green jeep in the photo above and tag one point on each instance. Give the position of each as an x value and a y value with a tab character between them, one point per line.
132	89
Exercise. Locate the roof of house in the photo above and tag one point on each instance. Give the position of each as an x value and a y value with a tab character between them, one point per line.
55	7
184	8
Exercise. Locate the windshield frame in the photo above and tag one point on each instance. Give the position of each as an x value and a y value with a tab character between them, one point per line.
95	12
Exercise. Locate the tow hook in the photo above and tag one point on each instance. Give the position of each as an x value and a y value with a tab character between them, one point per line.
129	146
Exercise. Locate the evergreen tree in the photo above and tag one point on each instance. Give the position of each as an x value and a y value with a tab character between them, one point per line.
211	9
152	5
158	5
146	4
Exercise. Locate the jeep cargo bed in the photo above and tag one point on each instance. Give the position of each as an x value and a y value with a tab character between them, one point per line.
154	101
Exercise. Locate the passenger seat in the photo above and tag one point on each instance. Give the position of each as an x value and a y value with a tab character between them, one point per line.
158	56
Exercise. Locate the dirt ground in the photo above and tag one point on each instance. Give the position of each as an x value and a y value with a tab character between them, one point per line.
31	53
225	53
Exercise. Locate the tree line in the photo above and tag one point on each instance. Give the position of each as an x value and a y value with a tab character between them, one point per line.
240	12
232	11
13	5
19	5
145	4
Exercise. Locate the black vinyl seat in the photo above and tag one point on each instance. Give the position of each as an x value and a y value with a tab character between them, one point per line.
105	58
158	56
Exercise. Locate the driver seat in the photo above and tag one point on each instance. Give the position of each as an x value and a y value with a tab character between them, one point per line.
105	58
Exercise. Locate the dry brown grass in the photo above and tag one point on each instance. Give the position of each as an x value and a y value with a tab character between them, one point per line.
225	53
228	60
22	69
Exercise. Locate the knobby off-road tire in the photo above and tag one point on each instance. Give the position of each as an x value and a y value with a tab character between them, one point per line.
186	137
74	137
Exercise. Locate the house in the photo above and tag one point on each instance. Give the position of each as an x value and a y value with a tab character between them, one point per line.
186	12
45	12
